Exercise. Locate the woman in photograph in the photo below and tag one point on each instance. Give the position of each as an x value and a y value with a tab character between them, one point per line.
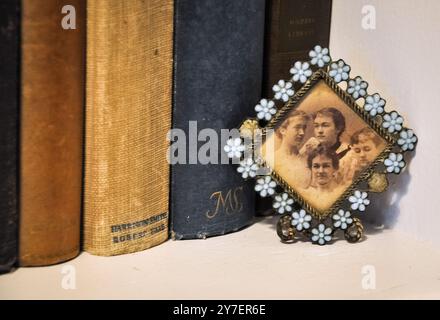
324	188
328	126
364	145
291	133
288	163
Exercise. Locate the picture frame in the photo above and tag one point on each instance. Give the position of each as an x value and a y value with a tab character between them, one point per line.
372	123
319	147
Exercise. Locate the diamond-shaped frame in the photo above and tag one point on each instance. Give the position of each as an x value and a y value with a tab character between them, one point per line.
294	102
320	225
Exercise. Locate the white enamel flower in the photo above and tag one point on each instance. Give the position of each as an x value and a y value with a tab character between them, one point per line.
265	186
234	148
359	200
394	163
301	71
283	90
321	234
265	109
374	104
357	87
339	71
319	56
282	203
342	219
301	220
407	140
248	168
392	121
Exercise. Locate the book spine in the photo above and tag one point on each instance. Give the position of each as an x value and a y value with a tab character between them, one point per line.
52	107
293	28
9	113
217	82
128	115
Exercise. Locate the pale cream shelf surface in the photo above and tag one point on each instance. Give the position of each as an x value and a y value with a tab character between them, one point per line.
250	264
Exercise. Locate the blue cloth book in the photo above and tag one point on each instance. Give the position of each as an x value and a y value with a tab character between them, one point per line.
218	65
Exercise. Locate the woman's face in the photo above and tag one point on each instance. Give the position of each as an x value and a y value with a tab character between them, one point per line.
323	171
325	130
294	133
364	152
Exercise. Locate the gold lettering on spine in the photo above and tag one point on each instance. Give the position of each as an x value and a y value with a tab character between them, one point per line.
231	203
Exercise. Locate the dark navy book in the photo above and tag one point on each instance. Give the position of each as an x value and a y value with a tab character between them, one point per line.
218	65
9	108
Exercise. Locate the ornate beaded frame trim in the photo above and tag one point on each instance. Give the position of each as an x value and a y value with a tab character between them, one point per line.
298	216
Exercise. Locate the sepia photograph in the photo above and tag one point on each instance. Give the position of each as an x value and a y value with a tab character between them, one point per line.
321	146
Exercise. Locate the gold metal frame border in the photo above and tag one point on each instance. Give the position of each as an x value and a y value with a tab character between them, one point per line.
351	103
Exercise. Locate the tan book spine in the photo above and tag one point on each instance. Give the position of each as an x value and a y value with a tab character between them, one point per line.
52	108
128	115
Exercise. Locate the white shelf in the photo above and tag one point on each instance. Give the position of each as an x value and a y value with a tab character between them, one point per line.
250	264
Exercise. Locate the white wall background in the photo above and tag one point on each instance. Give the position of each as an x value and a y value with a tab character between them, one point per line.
400	60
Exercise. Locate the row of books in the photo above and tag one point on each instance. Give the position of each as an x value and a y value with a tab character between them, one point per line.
85	112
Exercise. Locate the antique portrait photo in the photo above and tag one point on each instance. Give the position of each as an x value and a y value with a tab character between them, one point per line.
321	146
